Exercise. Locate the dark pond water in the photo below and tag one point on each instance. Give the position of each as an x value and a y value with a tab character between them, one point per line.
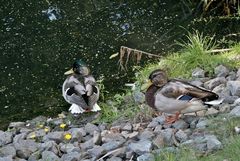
41	39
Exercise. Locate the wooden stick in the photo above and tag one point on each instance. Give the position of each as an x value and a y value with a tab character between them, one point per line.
143	52
109	153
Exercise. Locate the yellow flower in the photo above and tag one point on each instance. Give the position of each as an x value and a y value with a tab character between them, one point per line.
67	136
62	125
46	129
33	136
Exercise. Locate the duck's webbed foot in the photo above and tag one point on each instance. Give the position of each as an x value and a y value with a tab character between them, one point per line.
172	119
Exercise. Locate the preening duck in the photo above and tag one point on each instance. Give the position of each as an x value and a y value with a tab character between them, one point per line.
80	89
176	96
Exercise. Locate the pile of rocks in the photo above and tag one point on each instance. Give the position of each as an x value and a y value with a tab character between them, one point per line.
58	139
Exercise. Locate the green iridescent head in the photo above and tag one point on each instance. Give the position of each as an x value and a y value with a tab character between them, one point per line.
79	67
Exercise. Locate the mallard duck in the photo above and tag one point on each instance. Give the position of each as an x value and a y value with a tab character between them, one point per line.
176	96
80	89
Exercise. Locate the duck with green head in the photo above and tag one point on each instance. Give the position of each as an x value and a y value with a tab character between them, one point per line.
177	97
80	89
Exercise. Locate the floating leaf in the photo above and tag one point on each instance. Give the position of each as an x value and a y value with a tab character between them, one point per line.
114	55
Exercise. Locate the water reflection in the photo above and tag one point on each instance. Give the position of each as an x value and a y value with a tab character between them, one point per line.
40	40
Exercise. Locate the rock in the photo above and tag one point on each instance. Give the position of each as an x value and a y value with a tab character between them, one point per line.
5	138
72	156
237	102
152	124
116	129
221	71
146	157
113	137
197	83
97	139
231	76
202	124
181	136
96	151
90	128
234	87
131	135
180	124
25	148
77	134
49	146
35	156
138	97
211	84
87	145
238	73
112	145
127	127
211	111
235	111
48	155
57	136
16	125
158	141
8	158
198	73
7	150
160	119
213	143
146	134
68	148
36	134
114	159
19	137
219	89
224	108
158	129
230	99
140	147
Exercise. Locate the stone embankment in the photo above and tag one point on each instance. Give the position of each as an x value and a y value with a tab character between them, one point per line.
43	139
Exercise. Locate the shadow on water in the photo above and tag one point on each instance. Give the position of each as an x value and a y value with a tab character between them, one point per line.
40	40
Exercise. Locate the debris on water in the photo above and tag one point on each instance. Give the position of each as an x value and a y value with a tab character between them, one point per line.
53	13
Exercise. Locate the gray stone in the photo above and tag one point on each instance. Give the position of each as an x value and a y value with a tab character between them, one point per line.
146	134
57	136
35	156
96	151
221	71
237	102
235	111
146	157
5	138
37	134
158	141
77	134
238	73
49	146
219	89
73	156
230	99
197	83
198	73
167	135
138	97
211	84
211	112
25	148
48	155
234	87
141	147
224	108
8	158
160	119
180	124
97	138
202	124
152	124
232	76
127	127
16	125
87	145
213	143
114	159
7	150
68	148
158	129
181	136
132	135
19	137
90	128
112	145
113	137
